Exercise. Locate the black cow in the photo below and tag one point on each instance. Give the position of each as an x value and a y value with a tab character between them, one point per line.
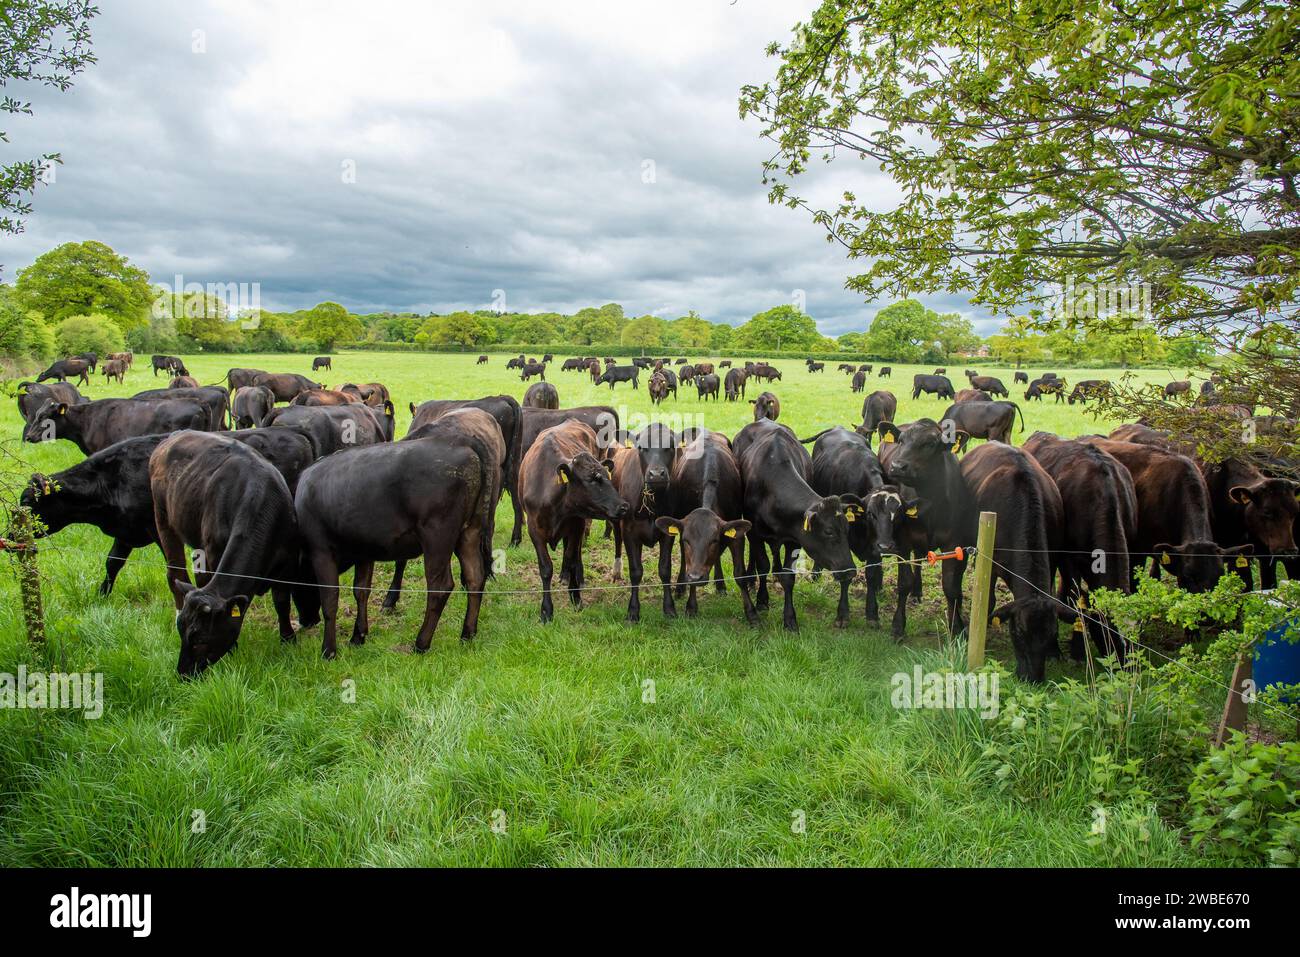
74	368
573	365
734	385
706	385
218	495
1030	531
642	475
429	496
332	428
32	395
1018	377
516	363
94	426
762	370
530	369
1247	506
214	398
482	360
1100	507
251	405
937	385
880	406
1177	388
241	378
321	362
562	485
859	382
886	372
1044	386
766	406
541	395
165	363
816	367
630	373
784	511
1089	389
285	385
987	383
982	420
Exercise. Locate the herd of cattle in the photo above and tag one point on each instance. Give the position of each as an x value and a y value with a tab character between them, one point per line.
280	484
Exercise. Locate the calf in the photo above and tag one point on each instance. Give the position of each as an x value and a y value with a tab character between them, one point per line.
541	395
250	406
1174	525
1030	531
936	385
816	367
1246	506
115	369
987	383
784	511
31	396
1100	506
658	389
766	406
601	419
642	475
615	374
482	360
95	426
64	369
734	385
880	406
859	382
886	372
530	369
562	485
428	497
707	491
982	420
321	362
706	385
218	495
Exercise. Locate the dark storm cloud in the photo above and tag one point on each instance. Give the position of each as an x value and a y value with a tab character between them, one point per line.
494	148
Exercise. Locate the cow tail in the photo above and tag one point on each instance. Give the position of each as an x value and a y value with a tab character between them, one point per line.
814	438
1022	418
487	507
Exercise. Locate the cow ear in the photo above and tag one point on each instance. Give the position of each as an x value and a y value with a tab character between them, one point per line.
564	472
959	441
412	408
184	587
62	409
1239	494
237	607
912	508
388	408
888	432
1002	614
808	517
1167	555
609	467
669	526
737	529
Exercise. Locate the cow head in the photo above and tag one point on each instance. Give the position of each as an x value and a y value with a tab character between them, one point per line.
886	511
209	627
1269	509
1197	566
588	489
703	535
766	406
37	498
51	411
825	532
1032	621
920	450
656	445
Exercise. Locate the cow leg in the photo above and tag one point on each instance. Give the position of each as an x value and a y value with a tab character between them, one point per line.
618	551
761	566
785	575
516	536
394	587
1267	572
953	571
905	573
326	570
117	556
875	576
438	586
719	582
545	571
681	576
573	563
737	563
666	577
842	611
635	572
361	578
473	576
173	550
280	595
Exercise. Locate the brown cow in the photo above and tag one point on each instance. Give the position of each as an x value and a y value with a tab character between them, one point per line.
325	397
114	369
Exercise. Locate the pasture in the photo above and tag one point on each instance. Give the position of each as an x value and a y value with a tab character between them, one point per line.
586	741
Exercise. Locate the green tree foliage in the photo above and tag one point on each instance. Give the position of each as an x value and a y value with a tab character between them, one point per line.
328	323
537	329
201	318
956	335
1017	343
458	328
93	333
644	331
78	279
43	42
905	332
781	327
23	333
689	332
721	337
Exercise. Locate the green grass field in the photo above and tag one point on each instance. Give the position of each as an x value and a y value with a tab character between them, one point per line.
535	746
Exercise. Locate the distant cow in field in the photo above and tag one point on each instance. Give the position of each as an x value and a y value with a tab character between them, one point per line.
541	395
1089	389
573	365
937	385
615	374
762	370
816	367
1044	386
706	385
1177	388
516	363
531	369
859	383
987	383
64	369
321	362
116	369
1018	377
886	372
734	385
481	361
165	363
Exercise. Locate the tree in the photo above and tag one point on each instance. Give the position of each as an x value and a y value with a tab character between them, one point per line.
459	328
1017	342
83	278
96	333
689	332
534	330
904	332
23	334
956	335
645	332
328	323
200	317
781	327
720	337
46	42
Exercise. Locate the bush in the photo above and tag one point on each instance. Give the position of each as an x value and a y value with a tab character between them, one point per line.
1245	799
94	333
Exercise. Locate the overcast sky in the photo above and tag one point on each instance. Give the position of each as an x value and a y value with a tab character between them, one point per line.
490	146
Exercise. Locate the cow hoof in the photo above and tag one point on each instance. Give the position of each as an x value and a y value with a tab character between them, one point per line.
357	640
291	636
420	651
633	619
387	609
841	623
873	619
104	589
329	655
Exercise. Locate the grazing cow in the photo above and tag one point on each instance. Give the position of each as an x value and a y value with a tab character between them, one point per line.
880	406
517	362
482	360
687	373
941	371
321	362
1100	506
1031	523
1089	389
110	490
816	367
64	369
865	367
848	368
859	383
218	495
1044	386
937	385
918	459
886	372
1177	388
285	385
530	369
242	378
31	396
706	385
332	428
563	484
184	382
214	398
983	420
724	364
1018	377
165	363
548	358
658	389
373	394
1174	526
707	491
642	475
987	383
784	511
703	368
615	374
843	464
128	357
762	370
116	369
573	365
94	426
734	385
90	358
428	496
325	397
766	406
1246	506
541	395
973	395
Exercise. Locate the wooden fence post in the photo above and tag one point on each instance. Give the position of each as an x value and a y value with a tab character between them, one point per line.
1234	709
979	603
29	577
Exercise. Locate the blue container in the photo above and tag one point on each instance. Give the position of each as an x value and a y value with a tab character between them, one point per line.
1277	660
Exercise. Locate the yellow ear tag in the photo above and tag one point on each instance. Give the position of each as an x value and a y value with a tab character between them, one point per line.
234	611
955	447
997	622
1242	561
672	530
628	443
563	478
848	517
1078	624
47	488
1164	558
887	437
807	523
730	533
912	512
